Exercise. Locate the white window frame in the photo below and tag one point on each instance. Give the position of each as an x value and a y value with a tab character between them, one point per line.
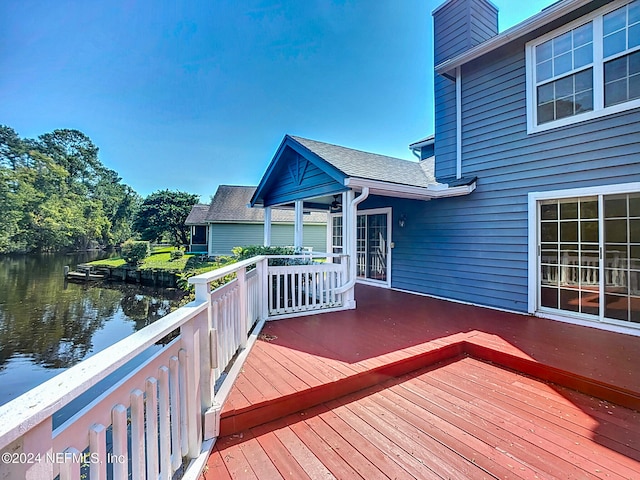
534	241
599	110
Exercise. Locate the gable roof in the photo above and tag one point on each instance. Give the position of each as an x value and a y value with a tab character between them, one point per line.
370	166
547	15
337	169
230	205
197	215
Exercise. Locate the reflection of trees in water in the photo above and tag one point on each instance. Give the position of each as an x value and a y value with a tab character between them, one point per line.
54	325
144	309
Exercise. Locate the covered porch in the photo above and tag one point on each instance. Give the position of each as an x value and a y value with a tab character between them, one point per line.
414	387
309	176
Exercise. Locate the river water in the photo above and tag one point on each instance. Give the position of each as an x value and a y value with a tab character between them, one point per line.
48	325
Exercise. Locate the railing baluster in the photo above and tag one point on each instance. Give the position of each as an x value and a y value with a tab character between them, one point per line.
98	447
151	393
119	436
164	420
70	468
278	301
184	440
136	400
176	422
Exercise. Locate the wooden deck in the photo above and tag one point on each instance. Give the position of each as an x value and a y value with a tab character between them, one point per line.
453	416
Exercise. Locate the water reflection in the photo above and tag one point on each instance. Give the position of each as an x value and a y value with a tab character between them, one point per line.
47	325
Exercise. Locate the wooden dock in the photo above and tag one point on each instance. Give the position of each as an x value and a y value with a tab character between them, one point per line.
85	273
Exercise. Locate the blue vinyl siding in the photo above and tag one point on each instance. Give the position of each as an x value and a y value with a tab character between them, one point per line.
474	248
445	146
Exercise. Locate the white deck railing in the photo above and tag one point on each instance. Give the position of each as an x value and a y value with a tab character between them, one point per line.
297	289
165	414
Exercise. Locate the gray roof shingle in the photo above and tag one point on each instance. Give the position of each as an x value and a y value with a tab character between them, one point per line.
197	215
371	166
229	205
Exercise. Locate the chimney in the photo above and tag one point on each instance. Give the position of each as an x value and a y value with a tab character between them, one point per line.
459	25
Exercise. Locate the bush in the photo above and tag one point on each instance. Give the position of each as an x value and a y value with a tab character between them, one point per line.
175	255
134	252
242	253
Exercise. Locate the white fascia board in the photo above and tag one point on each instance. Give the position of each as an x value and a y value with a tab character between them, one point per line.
430	140
531	24
386	189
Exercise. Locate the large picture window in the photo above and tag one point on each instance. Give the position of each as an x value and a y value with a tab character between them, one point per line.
586	69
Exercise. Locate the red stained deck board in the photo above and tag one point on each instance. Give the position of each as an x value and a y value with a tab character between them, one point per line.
442	461
552	404
291	366
379	441
383	461
530	425
281	457
511	438
392	333
449	420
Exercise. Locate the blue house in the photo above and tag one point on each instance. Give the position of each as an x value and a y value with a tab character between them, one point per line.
528	196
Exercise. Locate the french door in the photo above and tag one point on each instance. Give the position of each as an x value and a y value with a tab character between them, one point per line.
589	256
373	236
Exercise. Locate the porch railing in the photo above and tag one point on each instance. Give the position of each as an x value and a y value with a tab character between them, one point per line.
164	415
298	289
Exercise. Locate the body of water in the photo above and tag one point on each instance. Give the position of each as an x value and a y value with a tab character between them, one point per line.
48	325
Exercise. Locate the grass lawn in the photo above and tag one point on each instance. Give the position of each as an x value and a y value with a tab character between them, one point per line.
160	259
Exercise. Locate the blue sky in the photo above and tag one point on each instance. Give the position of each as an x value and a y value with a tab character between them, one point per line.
190	95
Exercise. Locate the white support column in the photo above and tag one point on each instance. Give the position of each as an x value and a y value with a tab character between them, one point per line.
267	226
297	239
349	226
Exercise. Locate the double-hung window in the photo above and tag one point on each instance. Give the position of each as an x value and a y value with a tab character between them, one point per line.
586	69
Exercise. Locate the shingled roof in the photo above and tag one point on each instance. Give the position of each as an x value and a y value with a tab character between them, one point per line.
229	205
371	166
197	215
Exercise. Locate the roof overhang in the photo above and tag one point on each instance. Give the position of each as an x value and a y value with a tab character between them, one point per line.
539	20
439	190
430	140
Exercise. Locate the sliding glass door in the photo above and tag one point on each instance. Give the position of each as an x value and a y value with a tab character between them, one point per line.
589	256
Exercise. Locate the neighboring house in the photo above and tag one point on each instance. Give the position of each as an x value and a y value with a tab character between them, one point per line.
537	142
228	222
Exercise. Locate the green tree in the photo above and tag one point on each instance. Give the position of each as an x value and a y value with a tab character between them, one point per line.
56	194
163	213
12	148
74	151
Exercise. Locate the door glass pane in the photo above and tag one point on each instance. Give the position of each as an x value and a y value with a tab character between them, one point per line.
569	255
371	252
377	246
622	250
361	246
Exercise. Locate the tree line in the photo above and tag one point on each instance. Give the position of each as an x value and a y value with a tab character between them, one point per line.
56	195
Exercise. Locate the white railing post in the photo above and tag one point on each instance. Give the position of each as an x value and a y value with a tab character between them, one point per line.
242	310
190	337
36	441
205	325
263	288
